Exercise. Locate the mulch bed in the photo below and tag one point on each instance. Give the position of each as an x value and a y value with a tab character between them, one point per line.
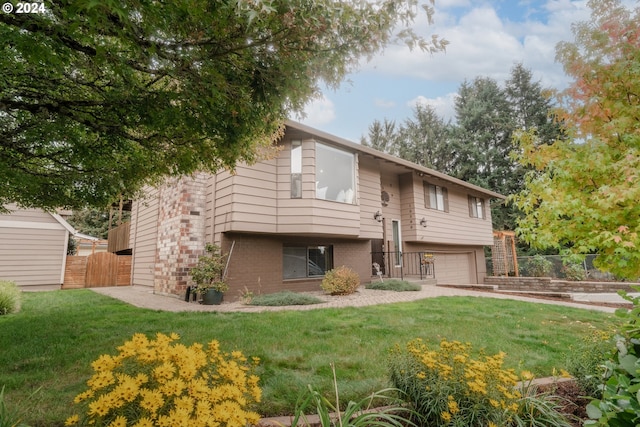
570	399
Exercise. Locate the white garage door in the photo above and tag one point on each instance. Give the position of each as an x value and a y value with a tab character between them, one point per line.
453	269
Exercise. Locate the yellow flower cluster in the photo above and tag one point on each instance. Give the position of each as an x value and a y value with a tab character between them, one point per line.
463	389
162	382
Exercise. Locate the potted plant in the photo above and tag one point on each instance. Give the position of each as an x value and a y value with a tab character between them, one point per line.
208	275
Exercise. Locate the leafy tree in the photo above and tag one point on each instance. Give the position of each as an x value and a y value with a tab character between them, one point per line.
94	221
584	194
101	97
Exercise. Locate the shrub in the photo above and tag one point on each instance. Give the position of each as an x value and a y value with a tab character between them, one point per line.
574	272
620	403
10	296
208	273
585	362
394	285
539	266
340	281
447	387
284	298
162	383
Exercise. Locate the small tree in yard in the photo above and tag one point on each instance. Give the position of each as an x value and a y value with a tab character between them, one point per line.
209	272
582	194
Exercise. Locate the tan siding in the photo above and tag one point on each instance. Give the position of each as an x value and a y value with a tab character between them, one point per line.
318	216
31	256
391	184
455	226
28	215
369	198
143	238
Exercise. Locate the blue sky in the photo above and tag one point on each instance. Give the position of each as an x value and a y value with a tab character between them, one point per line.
487	37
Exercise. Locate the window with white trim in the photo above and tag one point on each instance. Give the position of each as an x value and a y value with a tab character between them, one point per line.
296	169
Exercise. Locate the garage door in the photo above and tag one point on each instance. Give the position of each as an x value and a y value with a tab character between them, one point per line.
453	269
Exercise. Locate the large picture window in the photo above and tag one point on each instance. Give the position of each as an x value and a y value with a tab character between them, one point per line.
335	174
309	261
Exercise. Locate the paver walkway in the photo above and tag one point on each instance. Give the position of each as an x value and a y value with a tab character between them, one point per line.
144	297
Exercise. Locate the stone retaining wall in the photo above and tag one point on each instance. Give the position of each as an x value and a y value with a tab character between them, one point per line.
547	284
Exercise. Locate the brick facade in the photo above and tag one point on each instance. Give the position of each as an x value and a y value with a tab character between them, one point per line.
256	262
181	225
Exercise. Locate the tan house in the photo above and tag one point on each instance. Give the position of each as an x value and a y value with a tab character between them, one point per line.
321	203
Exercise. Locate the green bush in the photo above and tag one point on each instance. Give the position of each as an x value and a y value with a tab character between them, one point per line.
586	361
340	281
10	297
447	387
394	285
574	272
620	404
539	266
284	298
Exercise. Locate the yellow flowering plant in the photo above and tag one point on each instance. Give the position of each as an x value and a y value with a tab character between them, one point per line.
161	382
448	387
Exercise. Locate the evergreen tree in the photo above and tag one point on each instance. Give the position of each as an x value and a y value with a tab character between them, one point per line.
424	139
383	136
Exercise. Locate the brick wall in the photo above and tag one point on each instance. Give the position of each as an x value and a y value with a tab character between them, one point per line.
181	226
256	263
547	284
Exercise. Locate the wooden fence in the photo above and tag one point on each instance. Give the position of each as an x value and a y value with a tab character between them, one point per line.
119	238
99	269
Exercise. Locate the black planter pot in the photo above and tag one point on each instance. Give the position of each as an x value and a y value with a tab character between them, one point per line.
212	297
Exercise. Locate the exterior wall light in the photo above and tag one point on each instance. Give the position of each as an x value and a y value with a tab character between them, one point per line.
378	216
423	222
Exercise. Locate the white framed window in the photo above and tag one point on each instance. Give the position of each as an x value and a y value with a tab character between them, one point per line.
335	174
296	169
436	197
476	207
299	262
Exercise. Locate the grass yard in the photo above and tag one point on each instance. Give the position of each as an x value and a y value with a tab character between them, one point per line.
50	344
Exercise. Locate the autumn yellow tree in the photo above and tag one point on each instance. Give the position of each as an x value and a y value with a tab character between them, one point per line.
583	194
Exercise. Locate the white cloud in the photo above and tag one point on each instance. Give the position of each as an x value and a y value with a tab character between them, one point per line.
318	112
482	43
444	105
382	103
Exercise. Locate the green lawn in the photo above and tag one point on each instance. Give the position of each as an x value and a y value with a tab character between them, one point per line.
52	341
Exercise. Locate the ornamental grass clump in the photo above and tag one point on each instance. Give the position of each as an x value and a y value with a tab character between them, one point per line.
10	296
340	281
447	387
162	382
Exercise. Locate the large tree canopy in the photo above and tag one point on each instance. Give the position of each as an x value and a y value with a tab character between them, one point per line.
102	97
584	194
